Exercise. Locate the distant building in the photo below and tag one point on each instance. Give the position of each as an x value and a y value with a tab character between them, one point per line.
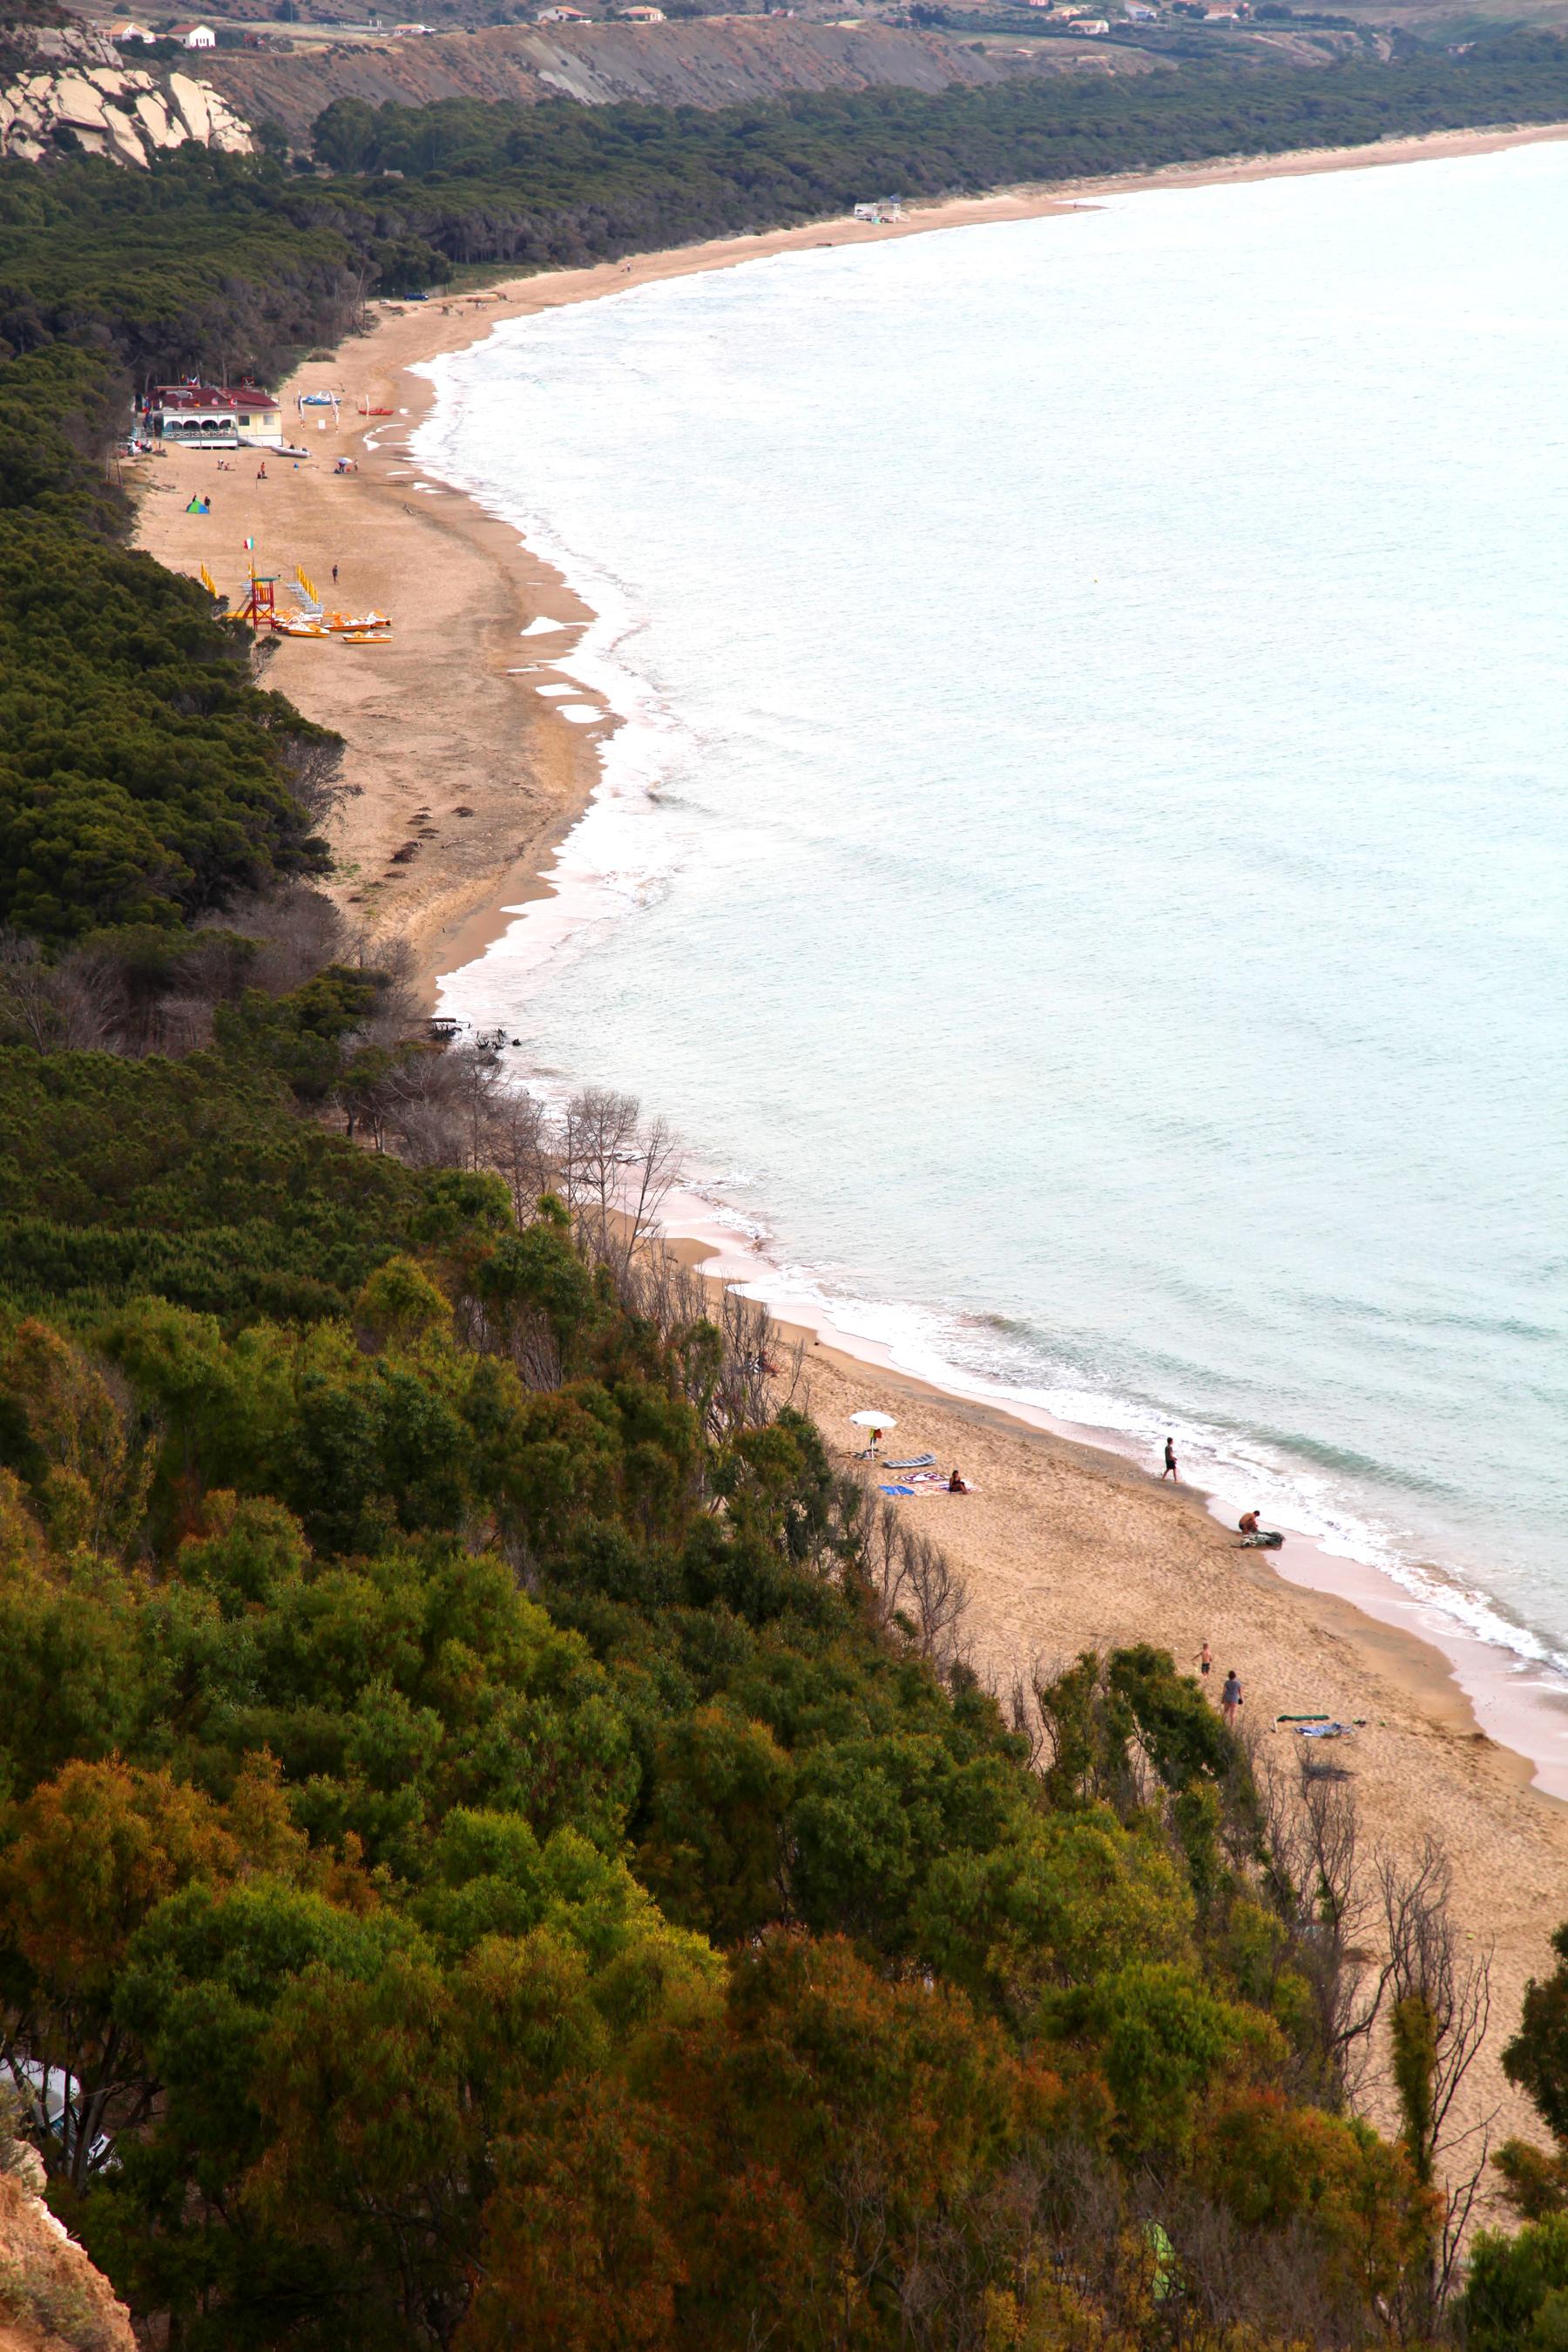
1090	26
127	29
562	17
194	37
641	16
406	32
886	208
1137	12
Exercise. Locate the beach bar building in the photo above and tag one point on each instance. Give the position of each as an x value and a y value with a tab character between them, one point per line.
200	415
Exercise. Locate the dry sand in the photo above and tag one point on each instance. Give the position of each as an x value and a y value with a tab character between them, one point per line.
1063	1546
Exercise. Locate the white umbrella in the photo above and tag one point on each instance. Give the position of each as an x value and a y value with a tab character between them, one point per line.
876	1422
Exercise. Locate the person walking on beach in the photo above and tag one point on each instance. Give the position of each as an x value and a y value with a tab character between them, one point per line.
1230	1699
334	575
1205	1662
1170	1470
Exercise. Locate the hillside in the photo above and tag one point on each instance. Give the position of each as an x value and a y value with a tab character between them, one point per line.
504	1842
720	62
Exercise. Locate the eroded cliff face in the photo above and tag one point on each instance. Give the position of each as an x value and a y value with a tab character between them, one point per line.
712	63
51	2298
71	82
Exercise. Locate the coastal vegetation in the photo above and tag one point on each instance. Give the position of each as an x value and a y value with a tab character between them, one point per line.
501	1840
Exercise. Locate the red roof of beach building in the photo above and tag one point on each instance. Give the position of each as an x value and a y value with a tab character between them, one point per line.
206	395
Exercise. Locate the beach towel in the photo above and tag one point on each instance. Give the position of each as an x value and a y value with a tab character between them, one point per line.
1325	1731
895	1490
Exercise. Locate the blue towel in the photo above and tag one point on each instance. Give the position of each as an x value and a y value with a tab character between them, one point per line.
897	1490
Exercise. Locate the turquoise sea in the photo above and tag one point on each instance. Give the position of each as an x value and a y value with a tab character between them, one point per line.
1085	861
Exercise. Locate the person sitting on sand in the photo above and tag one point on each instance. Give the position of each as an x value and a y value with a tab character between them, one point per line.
955	1485
1249	1522
261	471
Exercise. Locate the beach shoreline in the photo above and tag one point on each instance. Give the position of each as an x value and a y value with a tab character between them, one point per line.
413	709
1066	1542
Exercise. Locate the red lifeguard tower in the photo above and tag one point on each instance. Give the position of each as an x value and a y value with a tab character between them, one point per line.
259	607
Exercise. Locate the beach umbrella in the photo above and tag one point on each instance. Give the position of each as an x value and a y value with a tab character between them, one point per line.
874	1422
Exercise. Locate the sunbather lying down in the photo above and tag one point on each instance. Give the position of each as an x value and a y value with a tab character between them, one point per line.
929	1481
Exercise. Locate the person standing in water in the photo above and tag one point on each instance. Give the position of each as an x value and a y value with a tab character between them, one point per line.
1170	1470
1230	1698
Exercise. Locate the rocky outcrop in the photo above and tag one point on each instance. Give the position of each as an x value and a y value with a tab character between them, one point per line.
76	89
51	2298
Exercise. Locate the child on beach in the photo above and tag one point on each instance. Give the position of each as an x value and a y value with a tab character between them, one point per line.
1170	1469
1230	1699
1204	1661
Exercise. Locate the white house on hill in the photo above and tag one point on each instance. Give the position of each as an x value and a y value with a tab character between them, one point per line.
194	37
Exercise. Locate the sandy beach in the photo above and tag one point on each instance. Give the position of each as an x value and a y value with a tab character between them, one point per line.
452	745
